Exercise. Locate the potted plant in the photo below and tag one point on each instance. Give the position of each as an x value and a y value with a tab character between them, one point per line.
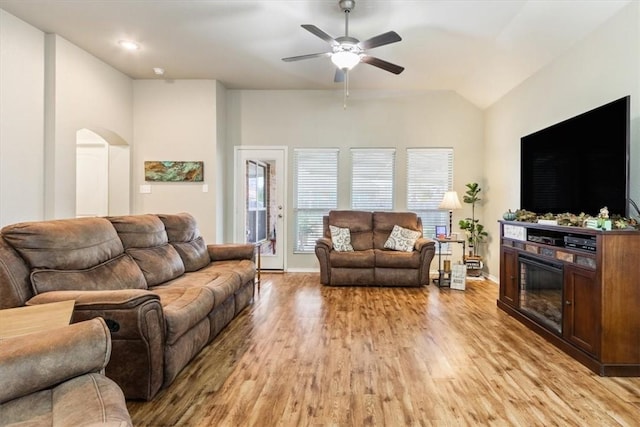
472	227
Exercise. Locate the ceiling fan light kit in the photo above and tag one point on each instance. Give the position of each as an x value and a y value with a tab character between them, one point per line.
347	52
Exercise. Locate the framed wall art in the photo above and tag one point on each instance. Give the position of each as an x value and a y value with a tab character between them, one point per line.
173	171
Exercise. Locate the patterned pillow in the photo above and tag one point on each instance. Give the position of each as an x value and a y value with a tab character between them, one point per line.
341	239
402	239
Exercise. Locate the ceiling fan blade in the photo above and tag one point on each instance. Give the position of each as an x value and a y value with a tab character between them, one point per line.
377	62
319	33
380	40
311	55
339	77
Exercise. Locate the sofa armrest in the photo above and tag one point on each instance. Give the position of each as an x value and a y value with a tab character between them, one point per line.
424	242
324	243
231	251
40	360
324	246
427	249
136	321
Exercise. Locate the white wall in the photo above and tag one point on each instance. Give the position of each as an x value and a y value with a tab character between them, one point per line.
177	120
21	121
299	119
83	92
603	67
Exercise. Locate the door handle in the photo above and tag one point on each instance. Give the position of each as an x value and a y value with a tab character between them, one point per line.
567	302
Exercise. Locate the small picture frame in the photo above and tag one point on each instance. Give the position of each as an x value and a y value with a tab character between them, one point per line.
441	231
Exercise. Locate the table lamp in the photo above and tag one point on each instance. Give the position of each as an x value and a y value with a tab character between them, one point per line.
450	201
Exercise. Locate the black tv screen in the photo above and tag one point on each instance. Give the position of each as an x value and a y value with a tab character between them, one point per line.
580	164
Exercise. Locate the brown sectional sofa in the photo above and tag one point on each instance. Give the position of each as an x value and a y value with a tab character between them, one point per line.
55	378
370	263
163	293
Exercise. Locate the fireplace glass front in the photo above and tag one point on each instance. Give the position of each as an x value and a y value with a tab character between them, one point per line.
541	291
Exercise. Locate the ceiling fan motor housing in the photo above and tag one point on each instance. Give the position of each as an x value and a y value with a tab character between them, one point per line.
347	5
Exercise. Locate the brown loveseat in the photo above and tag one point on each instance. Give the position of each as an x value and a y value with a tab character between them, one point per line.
369	262
55	378
163	293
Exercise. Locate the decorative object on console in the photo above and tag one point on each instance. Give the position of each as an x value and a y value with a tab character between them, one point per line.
450	201
509	216
615	222
170	171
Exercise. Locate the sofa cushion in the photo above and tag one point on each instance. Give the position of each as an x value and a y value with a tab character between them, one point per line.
402	239
397	259
183	234
140	231
244	268
120	272
194	254
158	264
356	259
360	225
180	227
341	239
64	244
183	308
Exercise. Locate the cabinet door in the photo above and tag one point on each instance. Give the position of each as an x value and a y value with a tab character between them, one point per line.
509	276
581	314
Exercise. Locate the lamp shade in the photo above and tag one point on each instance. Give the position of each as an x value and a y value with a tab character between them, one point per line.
450	201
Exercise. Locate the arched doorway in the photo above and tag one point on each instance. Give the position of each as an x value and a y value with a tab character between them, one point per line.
102	173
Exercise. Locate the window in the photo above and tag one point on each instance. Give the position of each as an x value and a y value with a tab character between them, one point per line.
429	176
315	193
372	174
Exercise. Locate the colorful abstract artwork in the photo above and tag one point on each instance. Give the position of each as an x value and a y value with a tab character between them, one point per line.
169	171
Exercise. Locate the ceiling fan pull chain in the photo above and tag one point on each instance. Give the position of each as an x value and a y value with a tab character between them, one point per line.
346	90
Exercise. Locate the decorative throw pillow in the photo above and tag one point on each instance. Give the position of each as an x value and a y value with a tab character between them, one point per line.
341	239
402	239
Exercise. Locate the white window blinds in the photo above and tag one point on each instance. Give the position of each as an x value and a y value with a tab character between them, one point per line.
372	175
429	176
315	193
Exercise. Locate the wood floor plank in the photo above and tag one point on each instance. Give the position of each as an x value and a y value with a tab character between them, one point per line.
308	355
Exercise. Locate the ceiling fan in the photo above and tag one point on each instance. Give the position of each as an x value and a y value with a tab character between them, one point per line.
346	51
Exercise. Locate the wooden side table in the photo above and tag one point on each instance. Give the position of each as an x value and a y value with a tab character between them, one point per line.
34	318
445	276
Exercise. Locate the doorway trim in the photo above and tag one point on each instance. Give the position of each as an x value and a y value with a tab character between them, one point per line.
279	151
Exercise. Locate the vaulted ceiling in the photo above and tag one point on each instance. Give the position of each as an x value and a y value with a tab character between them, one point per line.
478	48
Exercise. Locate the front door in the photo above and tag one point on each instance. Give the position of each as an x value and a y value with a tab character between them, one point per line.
260	183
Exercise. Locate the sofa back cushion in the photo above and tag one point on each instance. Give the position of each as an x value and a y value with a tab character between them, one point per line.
64	244
15	286
145	239
184	236
117	273
360	225
383	223
140	231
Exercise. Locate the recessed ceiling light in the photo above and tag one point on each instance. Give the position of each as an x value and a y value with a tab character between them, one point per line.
129	45
158	71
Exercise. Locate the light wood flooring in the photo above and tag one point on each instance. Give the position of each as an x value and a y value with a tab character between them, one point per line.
308	355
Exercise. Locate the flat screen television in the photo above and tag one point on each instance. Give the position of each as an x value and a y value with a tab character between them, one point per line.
578	165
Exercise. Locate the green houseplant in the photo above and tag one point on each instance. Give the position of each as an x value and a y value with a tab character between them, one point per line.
471	226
